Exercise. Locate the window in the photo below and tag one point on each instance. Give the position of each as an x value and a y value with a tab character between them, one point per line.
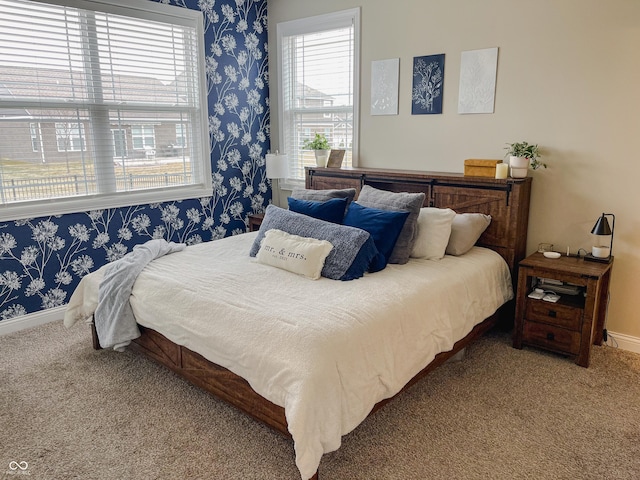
82	79
181	135
143	136
70	137
318	90
119	144
35	144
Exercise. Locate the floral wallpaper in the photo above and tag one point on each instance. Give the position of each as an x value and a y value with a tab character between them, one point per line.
43	259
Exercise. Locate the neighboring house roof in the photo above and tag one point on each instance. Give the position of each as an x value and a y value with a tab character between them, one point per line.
29	82
59	84
304	91
12	113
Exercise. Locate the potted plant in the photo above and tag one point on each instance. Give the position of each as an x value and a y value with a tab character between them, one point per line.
523	155
320	145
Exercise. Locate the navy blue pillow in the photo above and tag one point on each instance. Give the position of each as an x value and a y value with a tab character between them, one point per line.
329	211
383	225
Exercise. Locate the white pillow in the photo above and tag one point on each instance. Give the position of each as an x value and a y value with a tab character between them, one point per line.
465	231
301	255
434	228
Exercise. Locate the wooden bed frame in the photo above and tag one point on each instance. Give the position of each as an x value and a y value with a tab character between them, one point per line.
507	201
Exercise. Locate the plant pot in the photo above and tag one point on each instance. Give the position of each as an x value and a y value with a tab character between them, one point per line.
321	157
519	166
518	162
519	172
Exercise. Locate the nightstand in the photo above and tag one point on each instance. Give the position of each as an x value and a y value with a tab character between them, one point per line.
255	220
576	321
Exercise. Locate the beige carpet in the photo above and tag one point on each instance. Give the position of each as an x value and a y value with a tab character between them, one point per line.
71	412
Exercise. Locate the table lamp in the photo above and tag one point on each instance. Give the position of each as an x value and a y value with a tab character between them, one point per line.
602	253
277	165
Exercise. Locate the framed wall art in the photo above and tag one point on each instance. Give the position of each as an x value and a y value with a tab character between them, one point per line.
478	69
428	84
384	86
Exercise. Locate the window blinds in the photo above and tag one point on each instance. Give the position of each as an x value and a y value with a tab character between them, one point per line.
99	100
318	89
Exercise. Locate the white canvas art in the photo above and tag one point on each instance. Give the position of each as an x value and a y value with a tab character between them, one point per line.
384	86
478	70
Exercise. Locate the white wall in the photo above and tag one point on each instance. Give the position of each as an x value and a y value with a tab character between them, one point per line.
568	79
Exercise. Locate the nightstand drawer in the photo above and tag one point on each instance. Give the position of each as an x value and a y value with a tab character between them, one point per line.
551	337
554	314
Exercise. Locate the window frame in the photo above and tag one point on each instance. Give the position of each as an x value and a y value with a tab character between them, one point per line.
317	23
201	164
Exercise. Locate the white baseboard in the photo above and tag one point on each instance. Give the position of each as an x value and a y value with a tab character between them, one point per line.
31	320
623	342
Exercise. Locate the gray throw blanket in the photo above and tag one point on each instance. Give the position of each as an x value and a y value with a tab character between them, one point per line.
115	324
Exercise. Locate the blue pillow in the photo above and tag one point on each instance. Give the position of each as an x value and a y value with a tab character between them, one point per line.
329	211
383	225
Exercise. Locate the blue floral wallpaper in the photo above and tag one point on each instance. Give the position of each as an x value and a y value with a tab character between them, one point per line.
43	259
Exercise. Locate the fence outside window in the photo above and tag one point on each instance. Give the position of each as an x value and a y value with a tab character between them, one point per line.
16	190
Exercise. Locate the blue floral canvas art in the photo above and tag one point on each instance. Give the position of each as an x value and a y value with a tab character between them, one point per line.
428	84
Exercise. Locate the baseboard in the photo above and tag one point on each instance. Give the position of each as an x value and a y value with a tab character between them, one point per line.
623	342
31	320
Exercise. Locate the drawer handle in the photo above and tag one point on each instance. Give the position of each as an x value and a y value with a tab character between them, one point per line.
552	313
550	336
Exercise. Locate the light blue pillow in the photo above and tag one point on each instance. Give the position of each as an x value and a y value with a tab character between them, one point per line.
329	211
324	195
383	225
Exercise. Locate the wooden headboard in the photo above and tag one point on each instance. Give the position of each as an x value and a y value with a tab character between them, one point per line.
507	201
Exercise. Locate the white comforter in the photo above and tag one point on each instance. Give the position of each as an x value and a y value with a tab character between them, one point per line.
327	351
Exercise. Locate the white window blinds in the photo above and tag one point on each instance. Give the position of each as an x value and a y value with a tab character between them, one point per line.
318	85
93	100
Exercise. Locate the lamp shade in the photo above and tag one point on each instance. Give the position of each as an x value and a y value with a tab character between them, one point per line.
602	226
602	253
277	165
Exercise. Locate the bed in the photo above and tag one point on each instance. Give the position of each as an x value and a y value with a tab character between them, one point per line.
313	358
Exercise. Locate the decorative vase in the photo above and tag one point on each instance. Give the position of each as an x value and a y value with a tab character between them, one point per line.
321	157
519	166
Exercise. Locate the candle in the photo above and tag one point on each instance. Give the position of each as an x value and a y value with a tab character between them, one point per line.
600	251
502	170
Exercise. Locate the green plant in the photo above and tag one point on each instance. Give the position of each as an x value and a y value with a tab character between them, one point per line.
319	142
526	150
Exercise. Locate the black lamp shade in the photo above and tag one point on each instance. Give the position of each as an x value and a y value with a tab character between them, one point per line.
602	226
